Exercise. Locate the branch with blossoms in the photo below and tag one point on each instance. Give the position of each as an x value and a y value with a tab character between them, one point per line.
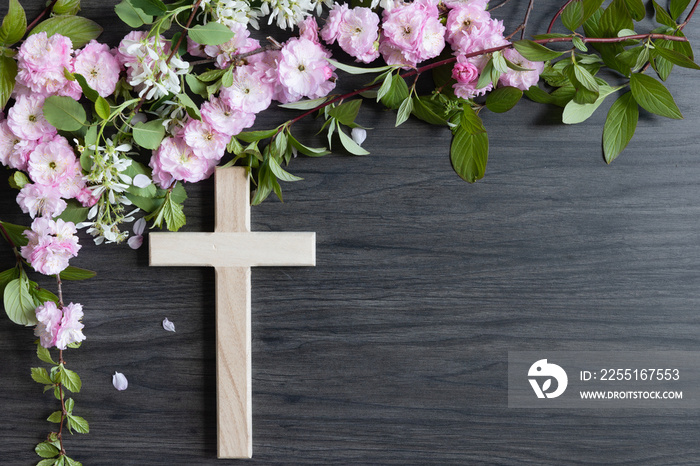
100	138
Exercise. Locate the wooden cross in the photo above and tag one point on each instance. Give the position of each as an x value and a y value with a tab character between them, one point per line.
232	250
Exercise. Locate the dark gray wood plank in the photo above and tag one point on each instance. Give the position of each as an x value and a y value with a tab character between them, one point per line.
393	350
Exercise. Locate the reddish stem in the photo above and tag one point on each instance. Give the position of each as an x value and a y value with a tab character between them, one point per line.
551	24
690	15
41	15
184	32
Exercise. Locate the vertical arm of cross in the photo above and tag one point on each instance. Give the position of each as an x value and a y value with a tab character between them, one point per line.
233	332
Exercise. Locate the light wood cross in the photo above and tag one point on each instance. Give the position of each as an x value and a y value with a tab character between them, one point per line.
232	250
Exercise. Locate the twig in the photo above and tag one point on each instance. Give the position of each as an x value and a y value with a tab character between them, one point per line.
499	5
41	15
184	32
530	6
551	24
690	15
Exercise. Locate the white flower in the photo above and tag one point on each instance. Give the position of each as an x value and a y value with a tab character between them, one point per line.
167	325
119	381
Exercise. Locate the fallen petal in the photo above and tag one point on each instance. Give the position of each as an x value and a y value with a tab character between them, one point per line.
135	242
119	381
167	325
142	181
358	135
139	226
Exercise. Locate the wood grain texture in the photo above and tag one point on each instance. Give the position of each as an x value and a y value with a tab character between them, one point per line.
393	349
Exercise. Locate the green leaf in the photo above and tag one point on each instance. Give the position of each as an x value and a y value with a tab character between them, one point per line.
102	108
188	103
64	113
572	16
227	78
41	295
71	380
350	145
70	404
74	273
18	180
615	17
150	134
150	7
89	92
619	126
16	233
46	450
40	375
211	75
397	92
305	104
404	111
7	276
677	7
534	51
173	214
355	69
196	86
44	355
385	87
50	462
653	96
8	72
503	99
78	29
675	57
346	112
72	462
280	172
211	33
310	151
253	136
429	110
66	7
590	7
575	113
583	76
74	212
662	17
470	146
79	424
55	417
579	44
14	24
18	301
636	9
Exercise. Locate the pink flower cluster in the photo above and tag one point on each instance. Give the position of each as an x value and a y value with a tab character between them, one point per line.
51	245
298	70
356	30
59	327
41	61
411	33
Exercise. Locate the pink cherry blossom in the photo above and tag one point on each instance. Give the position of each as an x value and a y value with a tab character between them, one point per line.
52	162
175	160
356	30
304	70
330	31
412	30
308	29
70	329
38	199
250	91
99	67
51	244
204	140
464	71
225	120
87	197
41	61
26	119
48	316
521	79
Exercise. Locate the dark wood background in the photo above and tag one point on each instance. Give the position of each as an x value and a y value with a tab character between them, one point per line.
393	349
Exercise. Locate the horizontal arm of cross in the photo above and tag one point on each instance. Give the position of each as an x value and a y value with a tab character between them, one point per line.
233	249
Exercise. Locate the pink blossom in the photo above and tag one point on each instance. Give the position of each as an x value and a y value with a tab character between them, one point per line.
204	140
414	31
38	199
87	197
217	114
175	160
26	118
465	22
71	329
226	53
99	67
308	29
51	244
521	79
304	70
41	61
195	49
52	162
250	91
49	318
356	30
464	71
7	142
